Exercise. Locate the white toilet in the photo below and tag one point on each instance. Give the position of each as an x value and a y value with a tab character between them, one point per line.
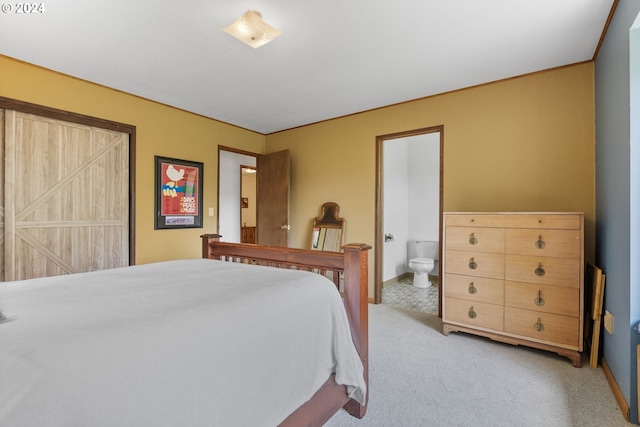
424	263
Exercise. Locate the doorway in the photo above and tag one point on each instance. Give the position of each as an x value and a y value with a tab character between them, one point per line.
410	164
271	191
248	204
230	192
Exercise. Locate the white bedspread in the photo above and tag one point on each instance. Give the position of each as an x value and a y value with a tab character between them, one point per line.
180	343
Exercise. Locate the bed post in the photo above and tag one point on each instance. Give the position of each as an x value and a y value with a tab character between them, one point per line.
356	290
206	239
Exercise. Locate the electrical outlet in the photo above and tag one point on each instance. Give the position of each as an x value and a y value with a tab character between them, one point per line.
608	322
211	211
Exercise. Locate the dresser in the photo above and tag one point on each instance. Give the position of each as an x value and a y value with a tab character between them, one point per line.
515	277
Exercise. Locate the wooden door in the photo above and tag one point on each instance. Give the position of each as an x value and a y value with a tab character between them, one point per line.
272	194
66	197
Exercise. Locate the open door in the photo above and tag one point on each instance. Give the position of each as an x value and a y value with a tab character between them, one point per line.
272	195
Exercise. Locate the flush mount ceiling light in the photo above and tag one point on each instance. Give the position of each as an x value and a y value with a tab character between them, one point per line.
252	30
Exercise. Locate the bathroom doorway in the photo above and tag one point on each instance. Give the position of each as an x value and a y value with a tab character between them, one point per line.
408	208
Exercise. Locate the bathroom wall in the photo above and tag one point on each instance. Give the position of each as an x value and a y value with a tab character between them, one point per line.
396	202
424	187
411	198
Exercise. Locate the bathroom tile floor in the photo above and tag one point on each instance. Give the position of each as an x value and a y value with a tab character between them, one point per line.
403	294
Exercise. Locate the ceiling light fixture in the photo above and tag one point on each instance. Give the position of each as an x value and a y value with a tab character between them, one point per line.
252	30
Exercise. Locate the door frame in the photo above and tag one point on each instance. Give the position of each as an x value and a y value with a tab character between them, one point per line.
379	219
67	116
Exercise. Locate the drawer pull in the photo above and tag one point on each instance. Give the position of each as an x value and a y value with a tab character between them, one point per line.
472	264
539	301
540	244
472	239
539	271
472	314
472	289
538	326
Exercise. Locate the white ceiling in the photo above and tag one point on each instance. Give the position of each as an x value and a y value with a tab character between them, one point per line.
334	58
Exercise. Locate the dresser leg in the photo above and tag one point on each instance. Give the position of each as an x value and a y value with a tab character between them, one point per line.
575	357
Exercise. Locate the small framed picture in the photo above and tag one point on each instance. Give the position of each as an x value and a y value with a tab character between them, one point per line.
178	193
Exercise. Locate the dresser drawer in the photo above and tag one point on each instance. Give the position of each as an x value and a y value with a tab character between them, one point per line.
542	270
515	220
547	243
475	239
475	264
474	289
552	328
474	220
479	314
544	221
549	299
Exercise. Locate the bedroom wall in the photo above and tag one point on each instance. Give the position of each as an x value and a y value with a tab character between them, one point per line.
522	144
618	189
161	130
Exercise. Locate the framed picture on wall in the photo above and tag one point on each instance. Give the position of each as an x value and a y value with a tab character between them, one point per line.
178	193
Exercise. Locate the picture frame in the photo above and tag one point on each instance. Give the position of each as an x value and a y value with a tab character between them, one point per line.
178	193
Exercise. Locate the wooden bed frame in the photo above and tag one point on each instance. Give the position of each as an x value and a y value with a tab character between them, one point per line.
352	267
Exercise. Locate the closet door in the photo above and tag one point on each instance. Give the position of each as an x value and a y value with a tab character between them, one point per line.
66	201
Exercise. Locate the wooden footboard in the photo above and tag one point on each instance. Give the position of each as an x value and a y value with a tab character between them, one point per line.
350	267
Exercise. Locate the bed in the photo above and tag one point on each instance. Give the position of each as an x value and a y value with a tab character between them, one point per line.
224	340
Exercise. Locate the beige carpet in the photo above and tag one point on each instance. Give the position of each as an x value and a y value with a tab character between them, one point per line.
419	377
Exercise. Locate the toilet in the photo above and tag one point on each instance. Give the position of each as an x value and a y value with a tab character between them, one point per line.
424	262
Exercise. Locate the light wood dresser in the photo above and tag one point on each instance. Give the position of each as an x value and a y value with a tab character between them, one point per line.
515	277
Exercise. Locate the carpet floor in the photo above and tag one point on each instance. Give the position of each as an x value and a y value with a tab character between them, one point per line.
419	377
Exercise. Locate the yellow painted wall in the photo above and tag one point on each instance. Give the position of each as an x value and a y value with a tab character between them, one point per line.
523	144
160	130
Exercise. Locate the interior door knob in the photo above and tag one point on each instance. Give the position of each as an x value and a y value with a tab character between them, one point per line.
285	227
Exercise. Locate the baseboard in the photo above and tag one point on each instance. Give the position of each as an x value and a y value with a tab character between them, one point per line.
622	403
395	280
434	279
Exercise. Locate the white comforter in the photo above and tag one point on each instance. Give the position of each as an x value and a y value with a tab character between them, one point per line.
180	343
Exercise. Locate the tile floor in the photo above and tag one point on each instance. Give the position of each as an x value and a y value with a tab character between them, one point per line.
403	294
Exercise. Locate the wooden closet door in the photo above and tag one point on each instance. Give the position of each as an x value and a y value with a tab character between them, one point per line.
66	201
